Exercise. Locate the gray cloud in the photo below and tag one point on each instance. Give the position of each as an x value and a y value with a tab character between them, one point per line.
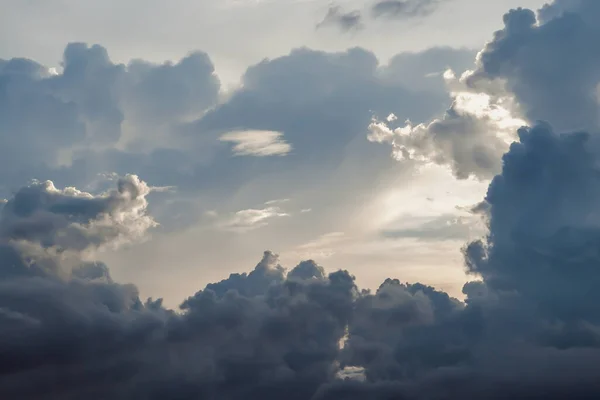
345	21
528	329
403	9
46	117
266	333
468	143
526	71
53	227
423	71
536	63
170	122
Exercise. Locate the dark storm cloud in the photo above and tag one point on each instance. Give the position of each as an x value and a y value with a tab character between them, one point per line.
344	20
544	229
552	68
529	328
533	60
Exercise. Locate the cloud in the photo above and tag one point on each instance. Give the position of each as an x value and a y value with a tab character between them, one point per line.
345	21
530	323
424	71
276	201
539	70
53	226
250	219
47	118
70	218
523	75
550	226
470	138
402	9
165	119
322	246
445	227
257	143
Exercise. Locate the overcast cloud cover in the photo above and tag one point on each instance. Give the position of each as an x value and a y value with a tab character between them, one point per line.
472	171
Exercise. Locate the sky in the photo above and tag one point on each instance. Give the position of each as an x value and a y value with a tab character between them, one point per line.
247	198
355	195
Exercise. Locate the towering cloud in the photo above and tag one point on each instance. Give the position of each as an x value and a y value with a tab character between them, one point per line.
534	69
551	67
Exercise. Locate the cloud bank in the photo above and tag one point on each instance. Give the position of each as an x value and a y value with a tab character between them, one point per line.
529	326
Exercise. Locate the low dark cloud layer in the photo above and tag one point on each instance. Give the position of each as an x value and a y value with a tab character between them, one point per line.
529	329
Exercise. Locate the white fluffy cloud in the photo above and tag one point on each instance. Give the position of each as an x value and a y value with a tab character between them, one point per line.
470	138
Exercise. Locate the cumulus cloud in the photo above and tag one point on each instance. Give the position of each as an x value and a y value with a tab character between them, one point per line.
528	328
345	21
310	105
523	75
539	70
470	138
48	116
72	219
530	323
53	226
257	143
318	99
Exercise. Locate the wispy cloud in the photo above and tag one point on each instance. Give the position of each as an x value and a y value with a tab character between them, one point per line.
257	143
252	218
344	20
402	9
276	201
444	227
